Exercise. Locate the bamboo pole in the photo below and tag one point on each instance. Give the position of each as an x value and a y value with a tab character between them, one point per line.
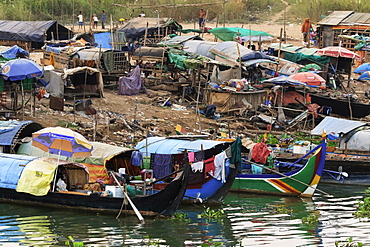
279	52
146	33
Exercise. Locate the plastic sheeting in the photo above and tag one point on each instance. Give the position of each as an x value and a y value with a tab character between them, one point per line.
39	173
55	83
103	40
11	167
131	84
161	145
230	33
14	52
8	130
359	141
136	27
336	126
28	30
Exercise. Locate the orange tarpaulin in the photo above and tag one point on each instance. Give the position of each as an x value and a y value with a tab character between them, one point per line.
97	171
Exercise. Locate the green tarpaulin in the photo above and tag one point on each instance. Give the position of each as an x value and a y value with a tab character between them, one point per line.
296	57
230	33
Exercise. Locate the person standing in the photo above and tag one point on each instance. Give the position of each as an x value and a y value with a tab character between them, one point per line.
202	16
95	21
80	20
305	29
102	19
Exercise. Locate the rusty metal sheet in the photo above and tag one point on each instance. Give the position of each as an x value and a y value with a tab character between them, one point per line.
335	18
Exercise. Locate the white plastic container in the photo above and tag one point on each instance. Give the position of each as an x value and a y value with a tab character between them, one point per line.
299	149
115	190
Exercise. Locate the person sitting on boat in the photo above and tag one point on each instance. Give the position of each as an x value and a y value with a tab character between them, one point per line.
61	184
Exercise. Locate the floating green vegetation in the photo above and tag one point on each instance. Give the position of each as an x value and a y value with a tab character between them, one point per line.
310	219
348	243
209	214
363	208
180	217
151	242
210	243
282	209
73	243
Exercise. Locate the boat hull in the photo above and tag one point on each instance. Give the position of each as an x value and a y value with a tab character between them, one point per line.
342	107
212	190
299	182
164	202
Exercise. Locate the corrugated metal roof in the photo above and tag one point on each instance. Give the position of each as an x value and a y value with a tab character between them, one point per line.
357	18
335	18
336	125
178	40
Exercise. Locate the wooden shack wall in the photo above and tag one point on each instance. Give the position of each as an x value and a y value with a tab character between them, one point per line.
326	36
224	101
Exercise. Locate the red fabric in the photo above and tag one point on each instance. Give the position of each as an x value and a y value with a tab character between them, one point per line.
209	166
306	26
260	153
287	98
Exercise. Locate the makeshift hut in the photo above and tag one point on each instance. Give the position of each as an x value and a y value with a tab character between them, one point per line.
13	133
31	34
111	63
104	158
85	81
18	173
149	30
347	29
352	135
231	102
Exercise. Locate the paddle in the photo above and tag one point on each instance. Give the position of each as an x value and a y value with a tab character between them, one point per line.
138	214
281	174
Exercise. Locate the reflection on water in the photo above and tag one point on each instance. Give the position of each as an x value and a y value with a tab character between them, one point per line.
251	221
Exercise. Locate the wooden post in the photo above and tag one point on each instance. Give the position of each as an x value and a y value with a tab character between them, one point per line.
224	9
146	33
197	105
279	52
34	105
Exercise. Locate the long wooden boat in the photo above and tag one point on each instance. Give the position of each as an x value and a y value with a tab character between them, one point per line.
211	189
342	107
27	180
302	181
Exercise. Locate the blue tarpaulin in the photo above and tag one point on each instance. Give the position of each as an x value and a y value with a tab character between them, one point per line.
103	40
11	167
14	52
8	129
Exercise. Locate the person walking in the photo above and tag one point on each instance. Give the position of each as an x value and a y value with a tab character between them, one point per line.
102	19
305	29
80	20
202	16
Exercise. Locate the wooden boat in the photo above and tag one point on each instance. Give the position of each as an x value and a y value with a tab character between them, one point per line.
299	182
210	189
27	180
341	106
